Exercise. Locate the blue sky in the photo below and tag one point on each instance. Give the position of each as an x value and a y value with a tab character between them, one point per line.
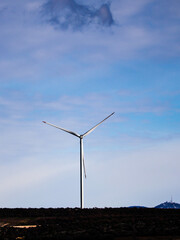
71	63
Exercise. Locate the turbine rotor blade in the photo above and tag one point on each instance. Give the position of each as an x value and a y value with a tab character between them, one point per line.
73	133
84	163
89	131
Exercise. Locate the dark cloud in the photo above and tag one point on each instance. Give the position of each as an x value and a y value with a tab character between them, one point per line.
69	13
104	15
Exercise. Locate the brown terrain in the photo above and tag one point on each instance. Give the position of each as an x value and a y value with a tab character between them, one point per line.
107	223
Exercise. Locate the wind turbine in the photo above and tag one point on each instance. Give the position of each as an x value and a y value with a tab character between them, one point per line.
82	163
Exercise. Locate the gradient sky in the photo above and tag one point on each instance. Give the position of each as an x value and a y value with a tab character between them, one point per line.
72	63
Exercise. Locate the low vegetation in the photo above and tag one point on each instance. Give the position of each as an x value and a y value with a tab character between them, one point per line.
108	223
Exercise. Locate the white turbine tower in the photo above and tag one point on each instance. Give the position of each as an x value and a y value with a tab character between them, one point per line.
82	164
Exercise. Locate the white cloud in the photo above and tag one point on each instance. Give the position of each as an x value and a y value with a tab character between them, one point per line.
124	10
29	172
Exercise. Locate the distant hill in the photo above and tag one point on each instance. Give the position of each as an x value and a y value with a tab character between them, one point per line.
137	207
171	205
165	205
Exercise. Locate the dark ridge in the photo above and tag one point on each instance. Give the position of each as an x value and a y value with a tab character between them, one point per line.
95	223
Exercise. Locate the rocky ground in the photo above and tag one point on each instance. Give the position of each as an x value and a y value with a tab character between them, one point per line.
108	223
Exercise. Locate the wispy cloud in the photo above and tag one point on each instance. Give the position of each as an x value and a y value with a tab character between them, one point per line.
101	104
70	14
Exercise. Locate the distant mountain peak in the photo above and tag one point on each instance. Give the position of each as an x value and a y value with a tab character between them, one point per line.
167	205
